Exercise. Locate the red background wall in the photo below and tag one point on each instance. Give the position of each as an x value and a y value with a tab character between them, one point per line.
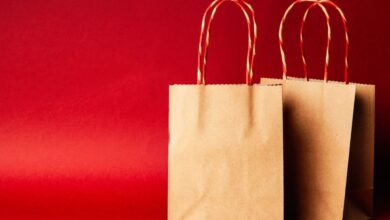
84	94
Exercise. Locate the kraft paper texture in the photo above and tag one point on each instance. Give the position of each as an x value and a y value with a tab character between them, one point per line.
317	138
225	152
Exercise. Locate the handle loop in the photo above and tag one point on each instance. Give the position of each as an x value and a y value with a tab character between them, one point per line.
344	20
205	35
329	34
282	53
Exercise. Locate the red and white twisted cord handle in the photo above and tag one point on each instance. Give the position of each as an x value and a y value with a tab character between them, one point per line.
344	20
324	10
205	35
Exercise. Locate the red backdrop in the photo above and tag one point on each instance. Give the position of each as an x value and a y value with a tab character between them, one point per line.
84	94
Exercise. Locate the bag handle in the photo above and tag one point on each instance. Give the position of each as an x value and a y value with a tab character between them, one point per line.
205	35
324	10
344	20
282	53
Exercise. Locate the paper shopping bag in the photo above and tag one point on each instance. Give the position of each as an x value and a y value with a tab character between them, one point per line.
225	146
318	124
329	135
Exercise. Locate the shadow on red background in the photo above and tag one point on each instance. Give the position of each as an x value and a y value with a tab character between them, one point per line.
84	94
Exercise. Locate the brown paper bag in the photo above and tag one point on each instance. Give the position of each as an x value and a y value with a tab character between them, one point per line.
319	153
318	124
225	147
303	168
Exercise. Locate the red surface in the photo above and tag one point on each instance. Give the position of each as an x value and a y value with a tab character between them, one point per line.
84	94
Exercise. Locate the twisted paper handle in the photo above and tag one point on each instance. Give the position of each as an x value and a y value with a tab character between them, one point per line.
319	4
344	20
329	34
205	35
